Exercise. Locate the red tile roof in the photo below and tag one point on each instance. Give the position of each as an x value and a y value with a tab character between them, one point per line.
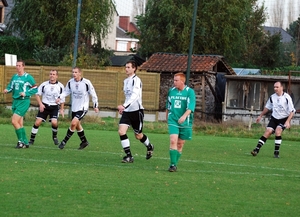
170	62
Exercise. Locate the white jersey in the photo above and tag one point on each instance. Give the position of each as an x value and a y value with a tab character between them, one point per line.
133	94
50	92
281	106
80	91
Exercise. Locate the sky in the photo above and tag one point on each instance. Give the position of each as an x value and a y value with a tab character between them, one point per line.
124	7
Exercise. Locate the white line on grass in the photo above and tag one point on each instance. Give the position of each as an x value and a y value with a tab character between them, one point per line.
160	158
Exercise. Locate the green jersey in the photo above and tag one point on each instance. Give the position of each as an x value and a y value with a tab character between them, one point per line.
177	104
19	84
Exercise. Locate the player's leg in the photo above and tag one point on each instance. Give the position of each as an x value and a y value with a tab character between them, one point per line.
124	123
35	129
262	140
53	116
137	125
70	131
278	139
80	132
19	111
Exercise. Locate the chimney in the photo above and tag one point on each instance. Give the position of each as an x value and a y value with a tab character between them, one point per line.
124	22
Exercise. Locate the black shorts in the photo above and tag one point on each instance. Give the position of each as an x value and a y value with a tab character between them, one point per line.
49	110
274	123
79	114
135	119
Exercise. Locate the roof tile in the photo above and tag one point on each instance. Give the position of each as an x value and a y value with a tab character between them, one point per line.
170	62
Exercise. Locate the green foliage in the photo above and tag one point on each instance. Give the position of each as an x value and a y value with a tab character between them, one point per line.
230	28
89	58
23	48
48	55
51	26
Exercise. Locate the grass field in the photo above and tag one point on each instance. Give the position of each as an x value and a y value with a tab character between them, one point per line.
216	176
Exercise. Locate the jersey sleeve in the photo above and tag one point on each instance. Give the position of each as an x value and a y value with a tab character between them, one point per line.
93	94
10	85
269	104
168	101
66	91
33	88
291	107
191	100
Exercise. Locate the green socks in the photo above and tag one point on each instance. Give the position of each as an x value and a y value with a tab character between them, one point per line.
22	135
174	157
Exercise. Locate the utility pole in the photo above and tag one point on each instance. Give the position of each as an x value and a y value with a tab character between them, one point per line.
191	42
76	33
75	45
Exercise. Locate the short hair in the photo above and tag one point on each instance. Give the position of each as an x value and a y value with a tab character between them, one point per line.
54	70
181	75
22	61
133	64
79	69
281	84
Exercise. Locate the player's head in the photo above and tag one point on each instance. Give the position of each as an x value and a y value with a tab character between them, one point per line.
132	64
179	80
181	76
53	75
278	87
20	66
76	73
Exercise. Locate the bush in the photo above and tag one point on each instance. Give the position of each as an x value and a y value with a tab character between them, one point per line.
49	55
14	45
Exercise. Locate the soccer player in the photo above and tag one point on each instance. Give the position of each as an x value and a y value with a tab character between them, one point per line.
132	112
49	91
283	110
80	89
180	106
23	86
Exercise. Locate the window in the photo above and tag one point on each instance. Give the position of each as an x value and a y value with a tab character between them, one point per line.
122	46
244	94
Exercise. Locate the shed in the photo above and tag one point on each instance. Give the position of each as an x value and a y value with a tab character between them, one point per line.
246	96
206	78
122	60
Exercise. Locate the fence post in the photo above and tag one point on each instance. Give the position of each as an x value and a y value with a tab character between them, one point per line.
251	116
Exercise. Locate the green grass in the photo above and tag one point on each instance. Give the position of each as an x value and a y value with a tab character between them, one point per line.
216	176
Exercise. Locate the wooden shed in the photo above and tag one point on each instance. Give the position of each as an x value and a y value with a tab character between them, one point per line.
246	96
206	78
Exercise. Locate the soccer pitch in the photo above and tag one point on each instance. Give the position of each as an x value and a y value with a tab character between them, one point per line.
216	176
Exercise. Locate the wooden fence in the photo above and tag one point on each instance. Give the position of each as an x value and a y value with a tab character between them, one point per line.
108	84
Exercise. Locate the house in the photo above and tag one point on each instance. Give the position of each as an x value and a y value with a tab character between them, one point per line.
206	78
3	5
125	43
285	37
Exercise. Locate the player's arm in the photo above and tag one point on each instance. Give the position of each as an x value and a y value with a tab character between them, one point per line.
33	87
62	109
184	116
9	87
265	111
41	105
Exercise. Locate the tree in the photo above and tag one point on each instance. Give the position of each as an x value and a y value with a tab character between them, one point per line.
229	28
53	23
294	31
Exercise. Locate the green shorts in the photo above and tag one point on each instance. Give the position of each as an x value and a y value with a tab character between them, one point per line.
183	133
20	106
